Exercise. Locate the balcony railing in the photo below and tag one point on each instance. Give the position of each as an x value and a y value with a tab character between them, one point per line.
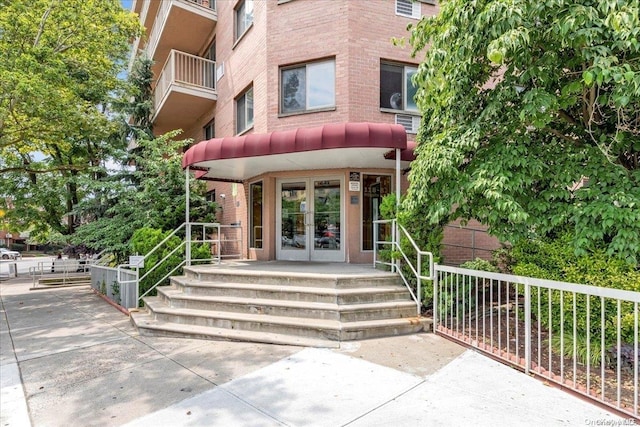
163	13
187	71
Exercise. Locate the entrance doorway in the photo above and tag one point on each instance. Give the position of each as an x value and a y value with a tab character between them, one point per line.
309	219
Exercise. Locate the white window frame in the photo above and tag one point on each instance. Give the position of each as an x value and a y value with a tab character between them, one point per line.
402	5
405	68
248	123
308	83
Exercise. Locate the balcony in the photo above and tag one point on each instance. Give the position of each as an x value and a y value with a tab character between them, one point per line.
183	25
185	89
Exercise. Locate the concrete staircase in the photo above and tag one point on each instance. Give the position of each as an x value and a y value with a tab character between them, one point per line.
280	307
63	281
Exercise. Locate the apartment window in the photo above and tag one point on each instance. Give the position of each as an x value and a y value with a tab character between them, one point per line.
211	52
211	196
244	111
255	216
308	87
210	130
397	91
244	17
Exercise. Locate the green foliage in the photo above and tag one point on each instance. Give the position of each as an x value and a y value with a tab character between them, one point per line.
150	195
59	66
480	264
520	101
554	259
115	290
146	239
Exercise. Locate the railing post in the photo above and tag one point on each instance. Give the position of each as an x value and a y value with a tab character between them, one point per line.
435	300
396	243
527	327
419	283
375	243
186	214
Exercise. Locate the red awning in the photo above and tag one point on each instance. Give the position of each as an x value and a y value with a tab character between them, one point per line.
338	145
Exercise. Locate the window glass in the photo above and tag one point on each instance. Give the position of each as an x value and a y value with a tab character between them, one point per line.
410	89
244	17
209	130
293	90
244	111
255	216
396	87
374	188
308	87
391	86
321	84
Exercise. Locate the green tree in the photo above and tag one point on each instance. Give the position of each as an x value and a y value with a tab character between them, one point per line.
521	102
59	65
149	189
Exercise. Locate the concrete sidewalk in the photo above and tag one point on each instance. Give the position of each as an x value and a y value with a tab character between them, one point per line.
70	359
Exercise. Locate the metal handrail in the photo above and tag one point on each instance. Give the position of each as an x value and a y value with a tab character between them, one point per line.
395	243
186	245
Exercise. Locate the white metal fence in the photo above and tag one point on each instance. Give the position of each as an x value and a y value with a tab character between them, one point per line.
119	286
581	337
190	243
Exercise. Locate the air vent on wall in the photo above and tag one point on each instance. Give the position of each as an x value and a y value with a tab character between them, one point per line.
220	71
410	123
408	8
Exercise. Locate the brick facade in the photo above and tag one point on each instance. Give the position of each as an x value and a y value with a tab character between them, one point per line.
356	34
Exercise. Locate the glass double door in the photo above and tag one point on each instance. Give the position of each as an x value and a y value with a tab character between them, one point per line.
309	219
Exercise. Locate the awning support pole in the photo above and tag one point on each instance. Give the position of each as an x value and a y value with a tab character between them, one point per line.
398	180
396	232
186	220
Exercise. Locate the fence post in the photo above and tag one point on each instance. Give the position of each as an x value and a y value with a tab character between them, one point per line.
527	327
435	298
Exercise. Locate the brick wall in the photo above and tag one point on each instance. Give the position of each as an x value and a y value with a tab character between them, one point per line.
466	243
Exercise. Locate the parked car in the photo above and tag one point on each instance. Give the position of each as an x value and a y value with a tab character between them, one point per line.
9	254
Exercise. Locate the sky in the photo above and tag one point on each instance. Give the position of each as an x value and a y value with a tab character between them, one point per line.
126	4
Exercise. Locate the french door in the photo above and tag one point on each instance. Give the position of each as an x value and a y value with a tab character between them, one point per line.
309	219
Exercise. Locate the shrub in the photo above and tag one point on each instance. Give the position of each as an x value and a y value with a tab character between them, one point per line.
554	259
145	239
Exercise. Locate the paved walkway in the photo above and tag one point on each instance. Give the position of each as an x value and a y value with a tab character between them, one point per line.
70	359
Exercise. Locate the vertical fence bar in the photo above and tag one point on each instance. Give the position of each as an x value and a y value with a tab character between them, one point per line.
499	314
419	284
619	350
491	313
602	363
575	340
477	304
562	336
549	295
435	300
636	340
588	344
527	327
508	313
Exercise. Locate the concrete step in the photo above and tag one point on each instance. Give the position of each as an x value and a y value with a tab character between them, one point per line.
317	329
151	327
292	293
293	278
62	281
174	298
